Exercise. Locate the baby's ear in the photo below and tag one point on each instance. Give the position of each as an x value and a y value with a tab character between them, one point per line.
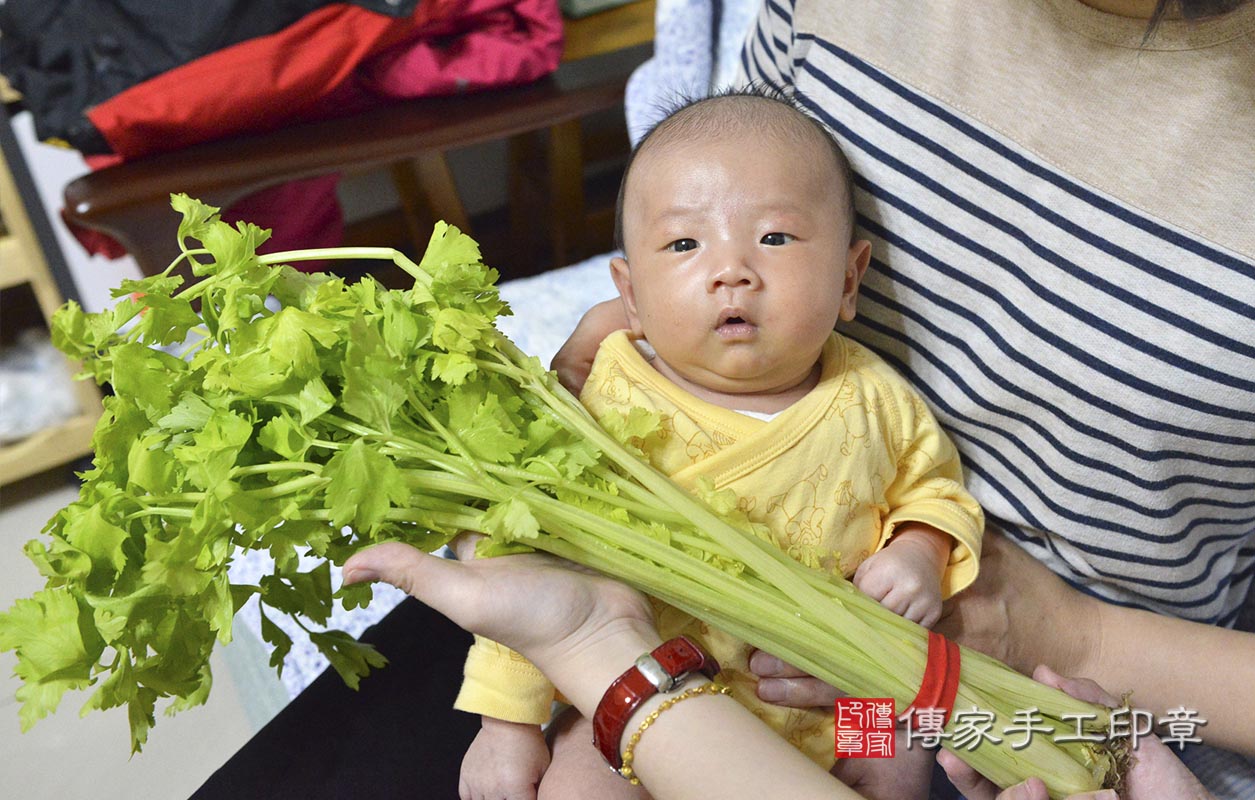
622	276
857	259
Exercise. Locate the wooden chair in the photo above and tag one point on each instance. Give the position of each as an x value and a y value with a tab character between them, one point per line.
130	202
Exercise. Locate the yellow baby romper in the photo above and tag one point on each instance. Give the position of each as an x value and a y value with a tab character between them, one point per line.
831	475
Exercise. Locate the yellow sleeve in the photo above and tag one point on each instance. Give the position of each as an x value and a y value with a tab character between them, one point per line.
498	682
928	488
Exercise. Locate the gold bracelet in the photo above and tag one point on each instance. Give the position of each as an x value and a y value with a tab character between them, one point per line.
705	688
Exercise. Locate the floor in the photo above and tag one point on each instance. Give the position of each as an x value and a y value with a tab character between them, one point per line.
64	756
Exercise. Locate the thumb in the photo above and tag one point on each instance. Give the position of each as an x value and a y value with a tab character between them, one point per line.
437	582
1031	789
967	780
1080	688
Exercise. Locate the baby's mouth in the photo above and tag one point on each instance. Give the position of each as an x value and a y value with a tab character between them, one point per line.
734	322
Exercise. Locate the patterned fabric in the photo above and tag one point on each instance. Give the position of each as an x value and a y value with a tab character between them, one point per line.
1092	360
830	476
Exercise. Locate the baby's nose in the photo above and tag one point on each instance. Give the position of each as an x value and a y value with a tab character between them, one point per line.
732	273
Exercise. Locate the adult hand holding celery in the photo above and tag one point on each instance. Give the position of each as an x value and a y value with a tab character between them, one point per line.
354	415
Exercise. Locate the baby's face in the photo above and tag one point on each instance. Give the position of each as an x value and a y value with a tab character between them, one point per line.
738	260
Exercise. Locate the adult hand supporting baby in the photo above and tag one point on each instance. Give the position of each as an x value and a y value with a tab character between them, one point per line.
574	359
1022	614
782	683
1156	771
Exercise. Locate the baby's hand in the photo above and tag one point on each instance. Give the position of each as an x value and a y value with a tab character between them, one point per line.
905	576
505	762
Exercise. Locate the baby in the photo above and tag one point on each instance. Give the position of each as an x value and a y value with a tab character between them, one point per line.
736	223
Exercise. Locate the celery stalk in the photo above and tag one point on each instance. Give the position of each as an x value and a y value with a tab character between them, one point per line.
355	415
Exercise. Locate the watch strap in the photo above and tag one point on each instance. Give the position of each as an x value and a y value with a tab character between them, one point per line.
662	669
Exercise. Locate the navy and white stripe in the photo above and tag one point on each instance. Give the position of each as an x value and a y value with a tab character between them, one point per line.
1094	365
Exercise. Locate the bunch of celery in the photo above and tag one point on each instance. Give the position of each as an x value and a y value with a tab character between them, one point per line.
354	415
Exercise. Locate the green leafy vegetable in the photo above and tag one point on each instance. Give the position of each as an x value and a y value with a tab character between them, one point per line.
354	415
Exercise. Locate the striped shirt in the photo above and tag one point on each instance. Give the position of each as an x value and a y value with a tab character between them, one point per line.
1069	288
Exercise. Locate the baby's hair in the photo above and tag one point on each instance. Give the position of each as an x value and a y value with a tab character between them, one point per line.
686	116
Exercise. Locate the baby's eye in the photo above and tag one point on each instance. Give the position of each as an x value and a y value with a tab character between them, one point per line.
777	239
682	245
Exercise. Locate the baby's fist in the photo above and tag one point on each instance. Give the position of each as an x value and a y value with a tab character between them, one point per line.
904	577
505	762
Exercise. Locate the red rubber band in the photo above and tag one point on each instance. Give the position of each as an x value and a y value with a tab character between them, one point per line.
940	685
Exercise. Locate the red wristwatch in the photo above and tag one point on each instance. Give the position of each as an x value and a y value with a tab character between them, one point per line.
662	670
